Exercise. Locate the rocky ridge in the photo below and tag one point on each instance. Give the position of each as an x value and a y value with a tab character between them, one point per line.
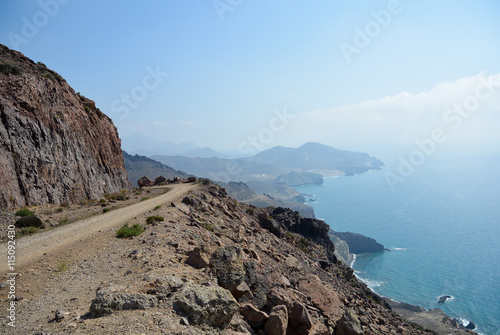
55	145
214	266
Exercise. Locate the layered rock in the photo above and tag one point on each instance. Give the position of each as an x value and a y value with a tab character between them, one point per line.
55	145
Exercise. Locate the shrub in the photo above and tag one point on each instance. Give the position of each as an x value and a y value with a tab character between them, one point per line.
105	210
64	221
145	198
153	219
10	69
62	266
127	231
29	221
24	212
87	109
64	204
157	207
250	211
208	227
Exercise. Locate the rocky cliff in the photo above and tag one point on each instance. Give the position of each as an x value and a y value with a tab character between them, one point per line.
55	145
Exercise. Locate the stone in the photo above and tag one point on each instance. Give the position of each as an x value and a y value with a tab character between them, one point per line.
212	306
198	258
191	179
164	287
241	290
349	324
443	299
252	315
299	319
228	265
159	180
277	322
144	182
113	298
322	297
471	325
60	315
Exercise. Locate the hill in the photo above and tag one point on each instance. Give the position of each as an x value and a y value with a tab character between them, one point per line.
319	158
140	166
55	145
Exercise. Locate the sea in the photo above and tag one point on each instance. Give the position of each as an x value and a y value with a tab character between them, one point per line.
441	223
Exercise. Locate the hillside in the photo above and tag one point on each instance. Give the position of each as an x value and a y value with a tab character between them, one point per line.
214	266
319	158
140	166
55	145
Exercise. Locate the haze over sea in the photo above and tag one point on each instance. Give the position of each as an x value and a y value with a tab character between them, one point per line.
442	226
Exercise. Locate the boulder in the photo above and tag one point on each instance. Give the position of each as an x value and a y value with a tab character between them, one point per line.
277	322
443	299
252	315
160	180
299	319
349	324
164	287
198	258
212	306
269	224
191	179
322	297
114	298
144	182
228	265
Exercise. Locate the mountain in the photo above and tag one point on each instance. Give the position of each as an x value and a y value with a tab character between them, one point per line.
319	158
220	169
300	178
140	166
140	144
55	145
205	152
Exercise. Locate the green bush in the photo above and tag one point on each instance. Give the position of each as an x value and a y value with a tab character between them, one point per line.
157	207
153	219
10	69
127	231
24	212
208	227
87	109
145	198
250	211
29	221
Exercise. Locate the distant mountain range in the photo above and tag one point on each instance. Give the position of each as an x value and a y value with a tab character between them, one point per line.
142	145
319	158
278	163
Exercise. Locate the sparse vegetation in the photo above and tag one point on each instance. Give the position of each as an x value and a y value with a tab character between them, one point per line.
157	207
145	198
127	231
29	221
87	109
153	219
24	212
62	265
64	204
64	221
26	231
250	211
208	227
10	69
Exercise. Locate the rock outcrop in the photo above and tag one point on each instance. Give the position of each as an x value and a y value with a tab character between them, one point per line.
358	243
55	145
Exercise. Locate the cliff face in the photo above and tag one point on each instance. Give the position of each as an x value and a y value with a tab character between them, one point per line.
55	145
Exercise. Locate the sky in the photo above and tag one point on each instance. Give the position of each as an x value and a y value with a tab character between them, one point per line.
241	76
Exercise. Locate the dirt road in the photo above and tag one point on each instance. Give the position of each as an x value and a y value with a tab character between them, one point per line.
31	248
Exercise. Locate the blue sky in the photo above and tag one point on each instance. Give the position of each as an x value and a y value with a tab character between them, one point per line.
225	68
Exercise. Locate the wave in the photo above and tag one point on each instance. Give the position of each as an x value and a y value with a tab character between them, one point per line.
398	249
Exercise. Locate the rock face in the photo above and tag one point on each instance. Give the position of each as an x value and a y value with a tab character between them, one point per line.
358	243
55	145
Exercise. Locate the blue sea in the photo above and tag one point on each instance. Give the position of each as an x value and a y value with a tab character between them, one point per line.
442	225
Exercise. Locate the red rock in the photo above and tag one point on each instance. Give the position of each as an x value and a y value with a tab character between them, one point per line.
321	296
277	322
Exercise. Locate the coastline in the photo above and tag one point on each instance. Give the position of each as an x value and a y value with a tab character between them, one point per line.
429	319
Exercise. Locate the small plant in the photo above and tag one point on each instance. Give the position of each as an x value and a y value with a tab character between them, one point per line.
29	221
49	75
208	227
102	201
64	204
10	69
127	231
87	109
64	221
153	219
62	265
105	210
59	210
24	212
145	198
26	231
250	211
157	207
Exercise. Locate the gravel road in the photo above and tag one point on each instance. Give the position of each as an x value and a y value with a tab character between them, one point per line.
30	248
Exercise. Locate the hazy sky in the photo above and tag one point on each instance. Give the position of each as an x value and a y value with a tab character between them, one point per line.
241	75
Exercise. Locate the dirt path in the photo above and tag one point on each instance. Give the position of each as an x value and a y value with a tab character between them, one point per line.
31	248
